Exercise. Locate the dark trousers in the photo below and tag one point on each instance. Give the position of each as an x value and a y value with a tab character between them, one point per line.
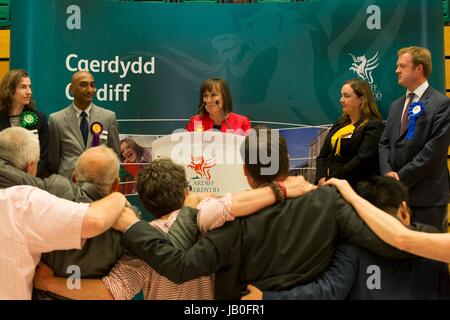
434	216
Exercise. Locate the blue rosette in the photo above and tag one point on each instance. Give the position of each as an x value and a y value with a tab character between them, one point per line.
415	111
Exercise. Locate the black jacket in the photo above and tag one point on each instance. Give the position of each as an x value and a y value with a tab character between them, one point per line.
42	129
359	154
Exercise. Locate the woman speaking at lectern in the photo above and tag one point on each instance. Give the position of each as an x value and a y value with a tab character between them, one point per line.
214	110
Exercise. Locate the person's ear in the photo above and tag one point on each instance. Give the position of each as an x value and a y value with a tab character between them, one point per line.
115	185
74	177
31	168
419	68
404	213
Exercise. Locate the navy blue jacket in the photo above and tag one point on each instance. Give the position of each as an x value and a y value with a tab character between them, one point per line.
351	271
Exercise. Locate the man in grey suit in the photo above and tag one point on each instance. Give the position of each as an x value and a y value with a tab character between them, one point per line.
414	144
72	129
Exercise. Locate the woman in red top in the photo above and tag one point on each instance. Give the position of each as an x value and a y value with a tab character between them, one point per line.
214	110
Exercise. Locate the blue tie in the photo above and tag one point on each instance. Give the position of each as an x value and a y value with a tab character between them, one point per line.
84	127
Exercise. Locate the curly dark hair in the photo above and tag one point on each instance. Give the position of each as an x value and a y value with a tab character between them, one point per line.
8	88
161	186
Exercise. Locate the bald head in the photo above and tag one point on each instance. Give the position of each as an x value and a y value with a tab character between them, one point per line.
99	166
81	74
83	89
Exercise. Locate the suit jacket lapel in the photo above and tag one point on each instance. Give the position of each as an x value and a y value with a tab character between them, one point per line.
426	95
4	121
72	122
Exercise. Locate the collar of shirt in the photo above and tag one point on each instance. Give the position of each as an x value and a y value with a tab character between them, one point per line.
418	92
78	111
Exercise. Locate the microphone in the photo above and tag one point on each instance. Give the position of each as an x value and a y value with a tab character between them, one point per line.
221	113
198	111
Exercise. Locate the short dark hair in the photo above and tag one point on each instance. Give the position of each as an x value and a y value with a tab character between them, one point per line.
262	141
210	85
383	192
161	186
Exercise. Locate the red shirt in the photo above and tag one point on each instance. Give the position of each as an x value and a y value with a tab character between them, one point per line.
203	123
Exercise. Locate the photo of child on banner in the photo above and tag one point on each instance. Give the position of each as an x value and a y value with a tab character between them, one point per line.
135	152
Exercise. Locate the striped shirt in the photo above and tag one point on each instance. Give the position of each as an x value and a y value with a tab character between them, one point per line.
33	221
130	275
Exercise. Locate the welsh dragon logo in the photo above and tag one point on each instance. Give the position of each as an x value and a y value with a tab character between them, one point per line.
363	67
201	166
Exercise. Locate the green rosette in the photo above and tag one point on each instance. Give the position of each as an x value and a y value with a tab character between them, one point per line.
29	118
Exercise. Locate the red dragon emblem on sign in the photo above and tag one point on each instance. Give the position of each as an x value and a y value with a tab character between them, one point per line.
202	166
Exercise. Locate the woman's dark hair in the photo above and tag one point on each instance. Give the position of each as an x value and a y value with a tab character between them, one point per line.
368	107
8	86
222	86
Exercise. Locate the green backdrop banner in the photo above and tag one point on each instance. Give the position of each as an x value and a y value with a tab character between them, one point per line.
285	63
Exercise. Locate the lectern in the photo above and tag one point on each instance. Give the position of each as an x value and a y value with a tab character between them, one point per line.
212	159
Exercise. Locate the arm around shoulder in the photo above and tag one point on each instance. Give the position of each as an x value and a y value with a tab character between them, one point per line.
102	214
205	257
434	246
